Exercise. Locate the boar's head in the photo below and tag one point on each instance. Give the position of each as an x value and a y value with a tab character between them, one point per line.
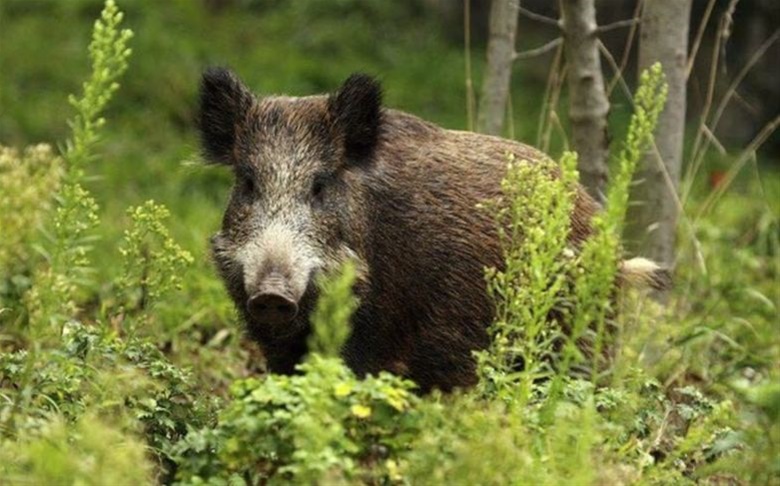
296	208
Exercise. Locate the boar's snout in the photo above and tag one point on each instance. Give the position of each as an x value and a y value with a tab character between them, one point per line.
272	309
273	303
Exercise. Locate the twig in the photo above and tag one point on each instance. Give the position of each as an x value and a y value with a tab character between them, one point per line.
626	49
540	18
698	155
699	36
732	90
751	149
470	108
555	84
539	50
716	50
555	66
617	25
618	77
556	121
714	140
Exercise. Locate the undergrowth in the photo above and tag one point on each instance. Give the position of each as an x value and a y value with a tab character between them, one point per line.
583	383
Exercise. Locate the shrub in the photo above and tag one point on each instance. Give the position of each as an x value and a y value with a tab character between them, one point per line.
152	260
52	299
27	182
322	425
74	389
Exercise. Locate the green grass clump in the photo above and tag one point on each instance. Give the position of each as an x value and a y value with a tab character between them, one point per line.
89	452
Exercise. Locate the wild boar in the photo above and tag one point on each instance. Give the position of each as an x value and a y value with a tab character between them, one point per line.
321	179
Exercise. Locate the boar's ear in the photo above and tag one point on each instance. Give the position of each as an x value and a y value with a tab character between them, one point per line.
224	103
356	113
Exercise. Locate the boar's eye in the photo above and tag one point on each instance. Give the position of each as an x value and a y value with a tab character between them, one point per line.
318	189
247	185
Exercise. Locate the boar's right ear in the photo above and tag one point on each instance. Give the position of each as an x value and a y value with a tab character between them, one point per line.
224	103
356	111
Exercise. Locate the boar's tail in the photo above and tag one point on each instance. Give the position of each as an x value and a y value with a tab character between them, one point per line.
642	273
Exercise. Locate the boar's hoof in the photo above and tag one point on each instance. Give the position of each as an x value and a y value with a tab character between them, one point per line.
272	308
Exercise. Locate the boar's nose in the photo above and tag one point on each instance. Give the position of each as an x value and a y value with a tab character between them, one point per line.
272	308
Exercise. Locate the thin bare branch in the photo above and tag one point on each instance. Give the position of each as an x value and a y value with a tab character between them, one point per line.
626	49
540	18
556	121
470	103
617	25
696	153
732	90
709	131
539	50
744	157
558	74
714	140
699	37
617	70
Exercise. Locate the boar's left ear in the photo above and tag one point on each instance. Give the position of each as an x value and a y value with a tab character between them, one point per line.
356	113
224	103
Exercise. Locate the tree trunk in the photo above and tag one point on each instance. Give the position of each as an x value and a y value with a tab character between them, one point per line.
588	104
498	73
654	212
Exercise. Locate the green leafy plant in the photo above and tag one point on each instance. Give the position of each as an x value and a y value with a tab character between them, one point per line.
532	220
599	257
93	372
83	384
27	182
109	54
152	261
322	425
52	300
90	451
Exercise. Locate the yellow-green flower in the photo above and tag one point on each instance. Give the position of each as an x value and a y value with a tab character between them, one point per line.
360	411
393	470
343	389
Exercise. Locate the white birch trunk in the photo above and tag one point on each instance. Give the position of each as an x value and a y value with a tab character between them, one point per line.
588	104
498	72
654	212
